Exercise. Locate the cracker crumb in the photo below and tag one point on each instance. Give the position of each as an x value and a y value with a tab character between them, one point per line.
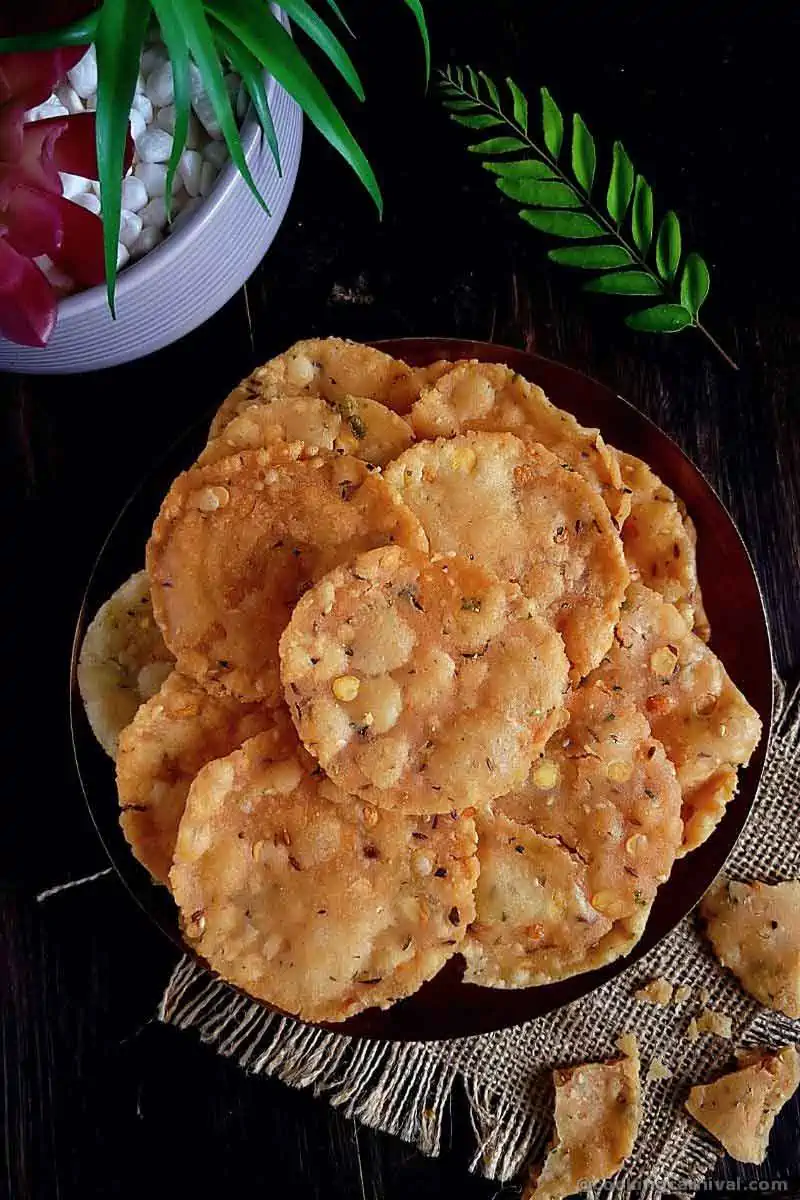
709	1021
682	993
657	991
657	1071
703	995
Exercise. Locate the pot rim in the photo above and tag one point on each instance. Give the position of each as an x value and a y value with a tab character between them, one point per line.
163	255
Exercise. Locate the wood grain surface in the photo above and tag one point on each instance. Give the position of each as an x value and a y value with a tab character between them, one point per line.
98	1099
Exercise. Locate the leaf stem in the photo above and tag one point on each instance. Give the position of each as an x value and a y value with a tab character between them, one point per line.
611	228
702	329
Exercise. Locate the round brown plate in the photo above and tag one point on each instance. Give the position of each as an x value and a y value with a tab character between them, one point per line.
446	1007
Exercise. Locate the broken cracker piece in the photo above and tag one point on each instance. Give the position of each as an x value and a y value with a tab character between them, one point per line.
755	931
709	1021
657	991
597	1117
740	1108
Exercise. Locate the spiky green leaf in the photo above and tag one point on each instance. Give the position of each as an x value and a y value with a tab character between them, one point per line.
620	184
249	69
461	105
334	7
695	283
264	36
78	33
172	34
562	224
419	17
591	258
642	214
200	40
315	28
118	40
520	105
552	123
544	193
625	283
584	158
662	318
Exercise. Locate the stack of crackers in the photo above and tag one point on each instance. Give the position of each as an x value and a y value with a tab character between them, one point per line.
418	667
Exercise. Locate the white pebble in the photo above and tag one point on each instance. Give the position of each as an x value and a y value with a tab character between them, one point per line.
142	104
154	213
165	118
123	255
147	240
196	85
207	177
233	82
204	111
216	153
130	226
190	169
91	103
134	193
160	88
83	75
195	135
67	96
54	275
153	57
153	176
186	211
88	200
74	185
242	103
138	124
154	145
139	84
50	108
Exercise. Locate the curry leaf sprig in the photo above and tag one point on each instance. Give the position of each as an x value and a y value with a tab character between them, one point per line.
559	190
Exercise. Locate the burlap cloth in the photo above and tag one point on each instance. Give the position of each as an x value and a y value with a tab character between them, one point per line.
404	1089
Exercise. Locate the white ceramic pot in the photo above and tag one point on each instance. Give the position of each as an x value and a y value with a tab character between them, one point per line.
189	275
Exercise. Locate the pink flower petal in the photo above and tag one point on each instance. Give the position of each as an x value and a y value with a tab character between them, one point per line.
27	302
80	254
33	222
30	77
36	164
11	132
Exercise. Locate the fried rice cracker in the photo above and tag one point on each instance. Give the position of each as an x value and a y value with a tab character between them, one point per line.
352	425
740	1108
237	543
755	931
598	1112
331	368
534	920
705	724
493	398
606	788
173	735
520	513
314	902
421	685
123	660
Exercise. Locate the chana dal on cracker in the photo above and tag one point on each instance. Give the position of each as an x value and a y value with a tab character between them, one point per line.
318	903
421	684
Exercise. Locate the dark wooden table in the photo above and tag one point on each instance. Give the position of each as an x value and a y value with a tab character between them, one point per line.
99	1100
